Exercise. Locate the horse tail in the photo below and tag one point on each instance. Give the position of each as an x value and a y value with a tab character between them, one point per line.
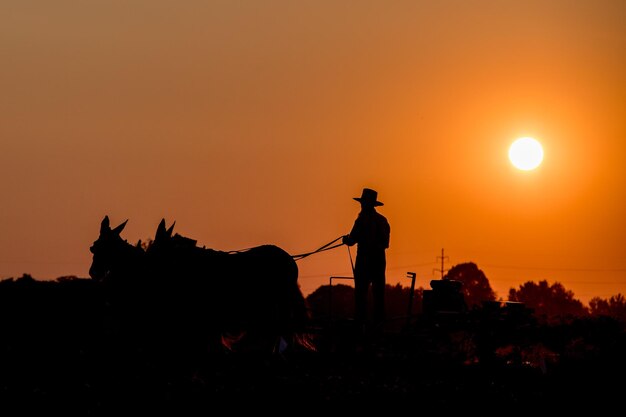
301	319
296	314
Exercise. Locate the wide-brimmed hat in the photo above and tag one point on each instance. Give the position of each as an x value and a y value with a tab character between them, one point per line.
369	196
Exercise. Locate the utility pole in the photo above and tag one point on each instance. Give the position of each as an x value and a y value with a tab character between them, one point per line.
443	258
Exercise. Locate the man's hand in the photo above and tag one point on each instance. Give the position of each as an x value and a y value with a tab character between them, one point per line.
347	240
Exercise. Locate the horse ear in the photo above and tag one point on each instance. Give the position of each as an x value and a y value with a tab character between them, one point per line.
161	232
104	226
171	229
119	228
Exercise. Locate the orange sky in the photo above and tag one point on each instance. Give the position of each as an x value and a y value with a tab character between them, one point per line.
257	122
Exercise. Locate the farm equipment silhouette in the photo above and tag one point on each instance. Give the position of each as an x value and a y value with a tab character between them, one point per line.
446	327
494	331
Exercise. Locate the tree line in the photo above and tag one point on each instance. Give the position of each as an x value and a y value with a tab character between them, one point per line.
550	302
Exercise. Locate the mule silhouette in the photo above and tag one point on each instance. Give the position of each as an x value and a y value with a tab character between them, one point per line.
186	298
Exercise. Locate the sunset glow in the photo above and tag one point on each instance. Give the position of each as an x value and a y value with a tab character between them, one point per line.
258	122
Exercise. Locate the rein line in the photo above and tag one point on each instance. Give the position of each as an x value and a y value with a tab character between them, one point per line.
323	248
326	247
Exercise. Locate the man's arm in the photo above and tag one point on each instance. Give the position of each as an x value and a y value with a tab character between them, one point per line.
353	237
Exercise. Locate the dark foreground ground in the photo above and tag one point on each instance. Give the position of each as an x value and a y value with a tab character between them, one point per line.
425	367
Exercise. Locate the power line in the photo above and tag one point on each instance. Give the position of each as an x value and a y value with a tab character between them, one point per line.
531	268
410	266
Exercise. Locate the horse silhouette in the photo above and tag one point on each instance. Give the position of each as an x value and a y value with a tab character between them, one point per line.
246	300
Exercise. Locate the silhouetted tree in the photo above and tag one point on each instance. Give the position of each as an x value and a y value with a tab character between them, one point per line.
613	307
336	302
476	287
397	299
550	302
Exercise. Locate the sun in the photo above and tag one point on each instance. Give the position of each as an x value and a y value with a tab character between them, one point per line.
526	153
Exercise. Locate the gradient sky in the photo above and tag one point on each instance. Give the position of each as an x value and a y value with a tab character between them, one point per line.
257	122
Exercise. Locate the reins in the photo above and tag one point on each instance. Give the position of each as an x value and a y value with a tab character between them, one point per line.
326	247
323	248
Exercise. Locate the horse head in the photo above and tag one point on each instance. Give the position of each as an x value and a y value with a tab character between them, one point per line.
111	253
164	237
167	244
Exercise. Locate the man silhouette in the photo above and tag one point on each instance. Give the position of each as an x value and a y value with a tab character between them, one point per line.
371	234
